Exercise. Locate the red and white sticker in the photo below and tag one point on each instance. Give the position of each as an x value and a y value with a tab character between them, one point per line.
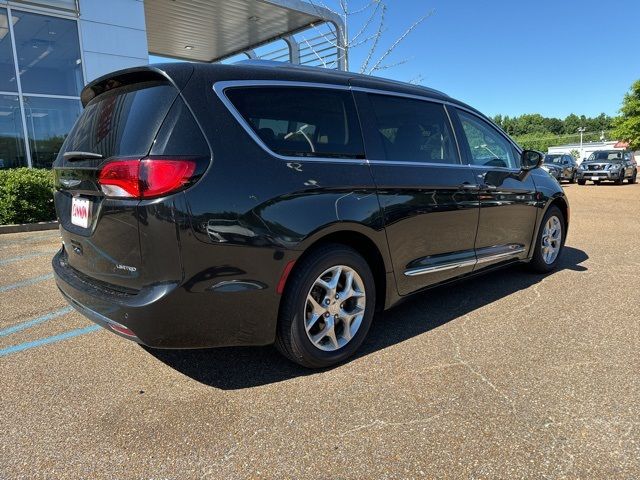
80	212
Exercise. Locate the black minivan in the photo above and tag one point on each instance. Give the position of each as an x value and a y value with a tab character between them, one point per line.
213	205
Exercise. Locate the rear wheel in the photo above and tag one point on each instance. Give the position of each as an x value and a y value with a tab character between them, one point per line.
550	241
327	307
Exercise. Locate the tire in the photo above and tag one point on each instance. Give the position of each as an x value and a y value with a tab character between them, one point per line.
620	179
538	263
573	178
596	182
582	182
292	339
634	176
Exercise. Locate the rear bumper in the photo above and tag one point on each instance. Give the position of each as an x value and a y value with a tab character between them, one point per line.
168	315
100	319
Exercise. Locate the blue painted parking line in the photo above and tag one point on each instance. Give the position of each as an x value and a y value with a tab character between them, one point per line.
27	282
27	256
35	321
48	340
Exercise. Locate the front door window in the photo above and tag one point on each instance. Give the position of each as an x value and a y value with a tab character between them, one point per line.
488	148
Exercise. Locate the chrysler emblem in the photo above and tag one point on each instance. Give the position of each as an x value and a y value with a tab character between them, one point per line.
69	182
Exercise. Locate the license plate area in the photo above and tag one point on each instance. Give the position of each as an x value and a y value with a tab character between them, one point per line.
81	212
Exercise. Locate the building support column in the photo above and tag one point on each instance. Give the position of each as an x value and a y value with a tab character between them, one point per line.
294	49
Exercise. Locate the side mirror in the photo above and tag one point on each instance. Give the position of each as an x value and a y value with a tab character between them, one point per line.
531	159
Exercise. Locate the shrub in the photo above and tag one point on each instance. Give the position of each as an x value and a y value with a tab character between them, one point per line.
26	196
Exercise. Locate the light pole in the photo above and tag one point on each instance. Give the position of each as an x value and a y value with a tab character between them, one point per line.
581	130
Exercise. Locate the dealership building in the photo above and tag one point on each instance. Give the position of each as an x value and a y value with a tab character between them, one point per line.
49	49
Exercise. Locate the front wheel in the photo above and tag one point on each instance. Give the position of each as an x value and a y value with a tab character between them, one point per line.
620	179
582	182
550	242
634	176
573	178
327	307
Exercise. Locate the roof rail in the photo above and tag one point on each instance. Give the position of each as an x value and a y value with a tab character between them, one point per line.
276	64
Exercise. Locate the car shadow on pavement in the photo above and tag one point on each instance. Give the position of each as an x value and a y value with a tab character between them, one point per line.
244	367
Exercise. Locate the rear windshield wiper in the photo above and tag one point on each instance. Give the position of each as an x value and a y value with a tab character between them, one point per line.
76	156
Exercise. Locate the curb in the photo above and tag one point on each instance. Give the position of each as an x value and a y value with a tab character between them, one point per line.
28	227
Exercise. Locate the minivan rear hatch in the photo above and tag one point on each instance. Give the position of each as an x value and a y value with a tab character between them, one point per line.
120	121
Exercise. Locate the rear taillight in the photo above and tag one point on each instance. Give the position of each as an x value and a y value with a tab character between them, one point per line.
147	178
162	176
120	178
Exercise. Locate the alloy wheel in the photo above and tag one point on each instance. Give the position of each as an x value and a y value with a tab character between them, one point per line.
334	308
551	239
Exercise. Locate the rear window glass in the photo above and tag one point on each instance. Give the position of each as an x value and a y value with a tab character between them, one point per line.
122	122
301	122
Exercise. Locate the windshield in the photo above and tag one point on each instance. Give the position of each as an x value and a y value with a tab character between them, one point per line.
611	156
557	159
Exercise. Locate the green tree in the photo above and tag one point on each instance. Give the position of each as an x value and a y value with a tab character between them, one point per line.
537	132
554	125
627	125
572	123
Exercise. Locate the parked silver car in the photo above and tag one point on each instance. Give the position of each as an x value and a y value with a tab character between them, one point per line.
608	165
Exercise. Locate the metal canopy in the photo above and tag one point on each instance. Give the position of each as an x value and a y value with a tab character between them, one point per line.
211	30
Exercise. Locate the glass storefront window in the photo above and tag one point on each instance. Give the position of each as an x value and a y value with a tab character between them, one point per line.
49	120
65	4
47	51
7	68
12	153
48	54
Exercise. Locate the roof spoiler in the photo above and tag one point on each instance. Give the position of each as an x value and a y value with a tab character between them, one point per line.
176	74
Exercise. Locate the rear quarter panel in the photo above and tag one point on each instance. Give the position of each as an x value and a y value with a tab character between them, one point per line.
272	208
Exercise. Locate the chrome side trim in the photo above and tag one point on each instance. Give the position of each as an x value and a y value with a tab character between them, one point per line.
498	169
495	126
412	272
223	85
438	100
418	164
399	94
499	256
220	87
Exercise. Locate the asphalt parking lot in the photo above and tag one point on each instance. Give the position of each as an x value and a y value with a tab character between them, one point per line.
511	375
